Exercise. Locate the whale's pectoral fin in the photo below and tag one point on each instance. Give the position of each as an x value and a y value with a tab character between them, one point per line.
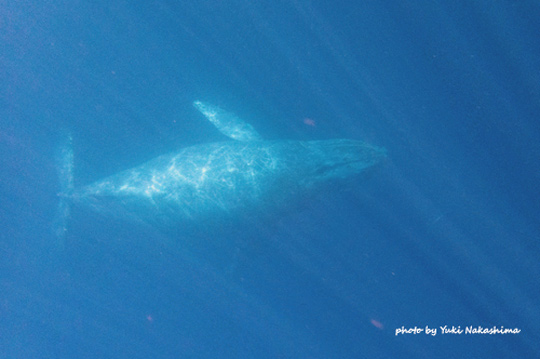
227	123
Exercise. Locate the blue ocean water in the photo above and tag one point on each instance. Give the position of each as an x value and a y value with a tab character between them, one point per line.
444	233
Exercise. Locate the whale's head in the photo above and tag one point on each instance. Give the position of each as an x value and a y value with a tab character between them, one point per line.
342	158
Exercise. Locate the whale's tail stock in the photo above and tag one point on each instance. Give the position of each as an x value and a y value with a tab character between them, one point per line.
64	164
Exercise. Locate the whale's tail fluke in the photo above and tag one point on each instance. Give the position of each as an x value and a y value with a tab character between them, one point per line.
65	174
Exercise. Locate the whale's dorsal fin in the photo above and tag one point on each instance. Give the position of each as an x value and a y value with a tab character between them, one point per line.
227	123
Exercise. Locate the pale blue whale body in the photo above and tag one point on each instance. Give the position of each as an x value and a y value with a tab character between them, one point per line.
224	179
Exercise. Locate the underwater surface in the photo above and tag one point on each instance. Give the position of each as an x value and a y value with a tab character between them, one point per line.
427	245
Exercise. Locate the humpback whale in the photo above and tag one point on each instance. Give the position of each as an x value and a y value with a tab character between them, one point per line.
219	180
